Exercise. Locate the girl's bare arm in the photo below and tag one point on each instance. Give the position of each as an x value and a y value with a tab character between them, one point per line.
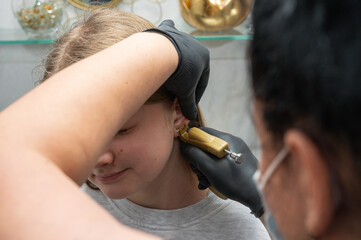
51	138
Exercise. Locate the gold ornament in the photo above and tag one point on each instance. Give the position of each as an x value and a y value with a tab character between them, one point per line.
214	15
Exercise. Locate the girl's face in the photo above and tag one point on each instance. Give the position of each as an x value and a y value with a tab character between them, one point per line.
139	152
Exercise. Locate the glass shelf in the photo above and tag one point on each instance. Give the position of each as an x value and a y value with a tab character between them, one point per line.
241	32
18	36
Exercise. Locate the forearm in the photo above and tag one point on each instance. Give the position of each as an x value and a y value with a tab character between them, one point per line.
70	118
61	127
39	203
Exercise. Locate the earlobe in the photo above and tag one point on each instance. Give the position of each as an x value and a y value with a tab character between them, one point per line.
315	180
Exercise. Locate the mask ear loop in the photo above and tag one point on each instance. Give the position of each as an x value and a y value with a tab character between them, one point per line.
272	167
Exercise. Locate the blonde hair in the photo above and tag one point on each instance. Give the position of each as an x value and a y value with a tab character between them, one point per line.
100	29
97	30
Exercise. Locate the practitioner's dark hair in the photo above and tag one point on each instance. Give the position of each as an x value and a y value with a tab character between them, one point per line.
306	69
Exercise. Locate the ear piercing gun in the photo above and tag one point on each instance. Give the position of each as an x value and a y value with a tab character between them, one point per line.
207	142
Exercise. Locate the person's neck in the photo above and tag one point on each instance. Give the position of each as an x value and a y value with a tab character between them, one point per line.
176	187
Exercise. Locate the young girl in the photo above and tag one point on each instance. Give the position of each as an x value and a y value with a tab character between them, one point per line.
144	181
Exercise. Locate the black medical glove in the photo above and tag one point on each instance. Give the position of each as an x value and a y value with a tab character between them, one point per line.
190	79
229	178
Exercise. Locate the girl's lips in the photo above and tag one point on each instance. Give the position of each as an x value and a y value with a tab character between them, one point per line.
111	177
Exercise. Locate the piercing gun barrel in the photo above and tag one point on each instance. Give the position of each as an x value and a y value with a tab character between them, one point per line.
207	142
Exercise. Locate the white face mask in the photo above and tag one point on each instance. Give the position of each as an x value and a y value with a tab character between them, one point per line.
260	183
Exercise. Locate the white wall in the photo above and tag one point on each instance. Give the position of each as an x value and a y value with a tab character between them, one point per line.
226	102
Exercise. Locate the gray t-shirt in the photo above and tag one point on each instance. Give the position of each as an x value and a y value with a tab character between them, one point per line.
211	218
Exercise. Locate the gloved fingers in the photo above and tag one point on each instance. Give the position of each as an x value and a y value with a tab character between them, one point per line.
202	85
167	22
236	145
189	103
258	212
200	159
201	186
190	79
188	106
203	181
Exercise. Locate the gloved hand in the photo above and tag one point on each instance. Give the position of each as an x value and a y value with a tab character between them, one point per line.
190	79
229	178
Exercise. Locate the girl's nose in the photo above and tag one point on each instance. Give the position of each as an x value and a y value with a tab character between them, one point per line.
105	159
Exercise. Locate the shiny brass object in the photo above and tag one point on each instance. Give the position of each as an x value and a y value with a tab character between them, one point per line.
92	4
214	15
209	143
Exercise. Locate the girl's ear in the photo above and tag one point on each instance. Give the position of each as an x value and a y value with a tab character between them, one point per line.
179	119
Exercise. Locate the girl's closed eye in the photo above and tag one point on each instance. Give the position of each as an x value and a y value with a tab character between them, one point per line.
123	131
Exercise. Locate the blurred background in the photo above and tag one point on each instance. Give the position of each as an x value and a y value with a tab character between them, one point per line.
226	103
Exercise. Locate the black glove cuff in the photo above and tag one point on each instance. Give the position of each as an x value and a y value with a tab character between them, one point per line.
259	212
